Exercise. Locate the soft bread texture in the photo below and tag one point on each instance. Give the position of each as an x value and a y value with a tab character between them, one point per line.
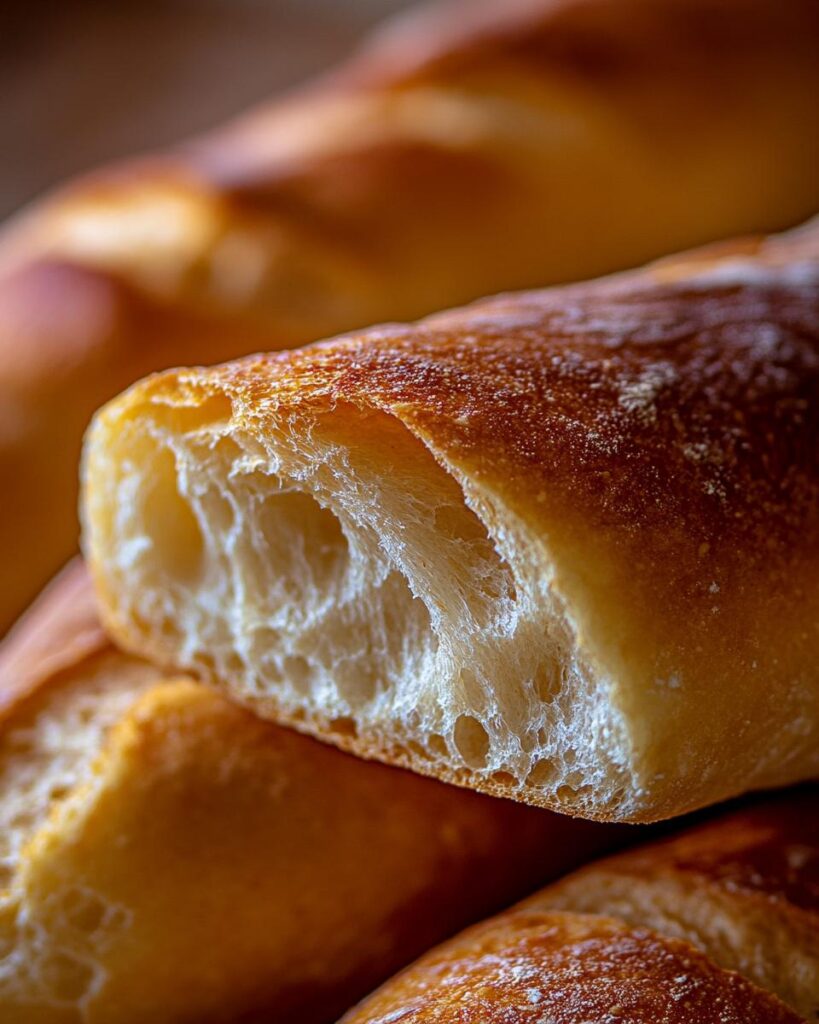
166	857
562	546
529	968
743	888
716	924
475	147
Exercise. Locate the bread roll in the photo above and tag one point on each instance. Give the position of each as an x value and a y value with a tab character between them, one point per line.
743	888
475	147
679	918
167	857
561	546
530	968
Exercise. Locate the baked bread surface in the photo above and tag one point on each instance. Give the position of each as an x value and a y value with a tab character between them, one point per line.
475	147
167	857
743	888
558	545
528	967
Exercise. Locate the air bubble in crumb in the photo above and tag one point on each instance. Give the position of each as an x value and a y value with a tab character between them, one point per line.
437	745
542	774
471	740
85	911
344	726
418	750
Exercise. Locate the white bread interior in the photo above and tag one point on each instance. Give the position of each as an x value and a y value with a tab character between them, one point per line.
341	576
47	765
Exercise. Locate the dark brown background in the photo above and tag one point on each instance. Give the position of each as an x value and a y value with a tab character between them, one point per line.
82	81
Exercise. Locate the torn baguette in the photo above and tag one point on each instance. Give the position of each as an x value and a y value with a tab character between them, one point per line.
560	546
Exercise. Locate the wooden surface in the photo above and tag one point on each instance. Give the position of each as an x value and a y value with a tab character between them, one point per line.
82	81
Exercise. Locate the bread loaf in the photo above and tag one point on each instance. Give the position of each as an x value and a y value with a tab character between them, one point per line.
743	888
476	147
166	857
719	924
530	967
561	546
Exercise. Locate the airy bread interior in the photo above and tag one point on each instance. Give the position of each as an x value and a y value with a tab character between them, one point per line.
334	574
47	756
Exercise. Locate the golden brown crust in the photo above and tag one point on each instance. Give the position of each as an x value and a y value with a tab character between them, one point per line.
527	967
582	61
742	888
637	372
669	400
470	149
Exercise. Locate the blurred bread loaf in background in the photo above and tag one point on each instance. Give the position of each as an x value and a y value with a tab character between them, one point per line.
167	857
469	148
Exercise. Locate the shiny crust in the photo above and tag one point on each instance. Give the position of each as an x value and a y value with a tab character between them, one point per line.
527	967
470	148
657	433
208	840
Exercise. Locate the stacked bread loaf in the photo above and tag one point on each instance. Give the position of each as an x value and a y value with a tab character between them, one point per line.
559	547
